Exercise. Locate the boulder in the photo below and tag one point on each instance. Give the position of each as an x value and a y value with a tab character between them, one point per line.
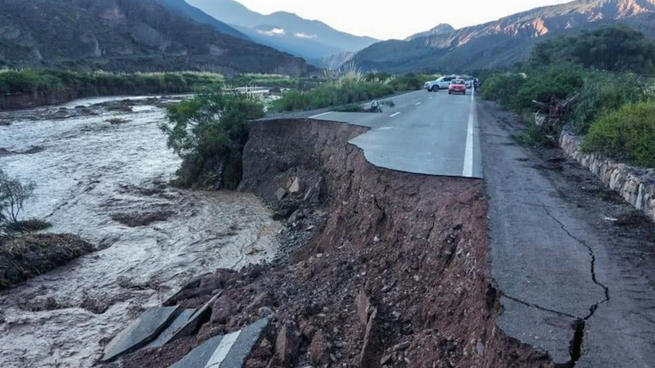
223	308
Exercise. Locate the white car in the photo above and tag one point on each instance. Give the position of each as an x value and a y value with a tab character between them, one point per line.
441	83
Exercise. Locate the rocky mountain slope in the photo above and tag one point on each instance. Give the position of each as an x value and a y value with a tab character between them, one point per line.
503	42
126	35
440	29
183	8
284	31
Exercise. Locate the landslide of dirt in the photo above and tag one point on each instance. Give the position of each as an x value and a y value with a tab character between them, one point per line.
395	272
24	256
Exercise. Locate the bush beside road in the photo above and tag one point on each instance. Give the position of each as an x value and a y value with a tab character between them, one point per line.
612	100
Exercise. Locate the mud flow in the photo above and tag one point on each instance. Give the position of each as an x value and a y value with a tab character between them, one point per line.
102	170
394	271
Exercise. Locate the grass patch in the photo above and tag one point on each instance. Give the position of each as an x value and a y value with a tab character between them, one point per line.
355	107
348	88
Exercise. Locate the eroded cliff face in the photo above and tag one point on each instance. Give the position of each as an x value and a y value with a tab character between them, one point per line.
396	275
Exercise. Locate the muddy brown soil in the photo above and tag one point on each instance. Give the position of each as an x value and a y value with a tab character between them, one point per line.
396	275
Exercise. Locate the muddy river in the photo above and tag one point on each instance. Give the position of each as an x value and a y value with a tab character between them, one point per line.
108	183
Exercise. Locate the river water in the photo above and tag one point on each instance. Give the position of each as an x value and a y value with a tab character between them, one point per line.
93	180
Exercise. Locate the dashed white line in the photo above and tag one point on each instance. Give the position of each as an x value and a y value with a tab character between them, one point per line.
418	103
468	154
395	114
319	115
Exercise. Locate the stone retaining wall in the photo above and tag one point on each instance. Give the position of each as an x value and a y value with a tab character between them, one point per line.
636	185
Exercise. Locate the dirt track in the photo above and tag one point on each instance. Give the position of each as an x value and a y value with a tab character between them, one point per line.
397	275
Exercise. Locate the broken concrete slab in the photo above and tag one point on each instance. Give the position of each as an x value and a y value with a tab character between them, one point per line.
280	193
190	326
225	351
167	335
140	332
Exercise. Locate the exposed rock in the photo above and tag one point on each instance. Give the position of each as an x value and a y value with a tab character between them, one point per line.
296	216
363	305
369	357
635	185
265	312
263	299
295	186
286	346
319	349
222	309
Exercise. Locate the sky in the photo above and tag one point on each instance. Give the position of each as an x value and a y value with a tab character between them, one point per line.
387	19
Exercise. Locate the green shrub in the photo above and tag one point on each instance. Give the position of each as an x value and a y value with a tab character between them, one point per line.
502	88
617	48
209	132
603	93
341	92
625	134
555	82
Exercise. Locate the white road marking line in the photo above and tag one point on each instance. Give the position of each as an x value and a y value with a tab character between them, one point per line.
319	115
396	114
222	350
430	97
418	103
468	154
386	128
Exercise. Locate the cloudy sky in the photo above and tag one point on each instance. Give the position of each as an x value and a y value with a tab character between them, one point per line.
397	18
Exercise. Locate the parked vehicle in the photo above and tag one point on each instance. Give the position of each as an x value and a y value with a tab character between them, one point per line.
457	86
441	83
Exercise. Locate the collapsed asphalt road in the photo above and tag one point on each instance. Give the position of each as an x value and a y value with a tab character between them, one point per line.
568	286
424	133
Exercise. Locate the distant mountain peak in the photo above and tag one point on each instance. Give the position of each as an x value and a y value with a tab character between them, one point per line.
312	39
440	29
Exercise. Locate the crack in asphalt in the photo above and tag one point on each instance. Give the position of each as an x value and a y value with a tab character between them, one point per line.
575	348
536	306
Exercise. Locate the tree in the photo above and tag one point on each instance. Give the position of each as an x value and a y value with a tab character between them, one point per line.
13	195
209	132
617	49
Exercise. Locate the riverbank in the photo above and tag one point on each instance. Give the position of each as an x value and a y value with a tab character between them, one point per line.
35	88
385	268
108	183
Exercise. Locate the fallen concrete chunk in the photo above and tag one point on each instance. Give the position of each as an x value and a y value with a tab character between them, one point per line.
140	332
280	193
295	186
225	351
191	324
170	332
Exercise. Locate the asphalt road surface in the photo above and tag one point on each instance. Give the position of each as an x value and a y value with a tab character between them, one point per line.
564	283
424	133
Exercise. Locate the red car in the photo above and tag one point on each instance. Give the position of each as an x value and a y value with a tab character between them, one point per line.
457	86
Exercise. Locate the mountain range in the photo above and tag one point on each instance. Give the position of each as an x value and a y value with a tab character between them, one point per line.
129	35
503	42
310	39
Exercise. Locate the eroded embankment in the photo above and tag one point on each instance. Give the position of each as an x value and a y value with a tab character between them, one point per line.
397	275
